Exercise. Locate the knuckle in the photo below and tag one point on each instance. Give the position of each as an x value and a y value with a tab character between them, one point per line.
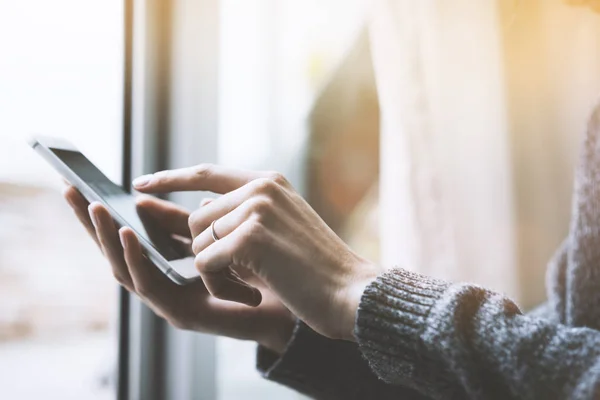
252	233
266	186
278	178
203	171
193	219
248	243
161	177
261	206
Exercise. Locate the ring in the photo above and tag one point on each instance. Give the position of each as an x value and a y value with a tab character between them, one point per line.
212	230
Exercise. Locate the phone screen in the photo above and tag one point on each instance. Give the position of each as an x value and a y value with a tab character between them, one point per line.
123	204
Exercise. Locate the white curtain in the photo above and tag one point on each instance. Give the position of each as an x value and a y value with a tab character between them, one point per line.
483	104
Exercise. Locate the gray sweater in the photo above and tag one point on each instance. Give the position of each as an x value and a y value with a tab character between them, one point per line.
422	338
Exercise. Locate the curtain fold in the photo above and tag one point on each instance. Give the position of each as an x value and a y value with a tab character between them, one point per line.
478	134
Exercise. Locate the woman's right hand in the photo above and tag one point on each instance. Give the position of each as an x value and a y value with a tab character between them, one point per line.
191	306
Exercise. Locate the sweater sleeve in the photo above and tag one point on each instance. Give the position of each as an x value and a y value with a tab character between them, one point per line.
327	369
408	324
556	284
583	261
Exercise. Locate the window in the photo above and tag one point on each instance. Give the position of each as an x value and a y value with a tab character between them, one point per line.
285	70
60	74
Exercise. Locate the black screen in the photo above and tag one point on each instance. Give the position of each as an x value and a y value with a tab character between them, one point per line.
122	204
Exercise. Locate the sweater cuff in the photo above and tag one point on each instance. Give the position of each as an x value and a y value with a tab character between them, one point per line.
391	319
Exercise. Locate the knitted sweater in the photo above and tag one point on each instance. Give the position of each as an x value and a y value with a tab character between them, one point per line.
423	338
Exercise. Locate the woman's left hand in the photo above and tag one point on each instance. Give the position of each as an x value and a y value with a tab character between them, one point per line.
263	225
187	307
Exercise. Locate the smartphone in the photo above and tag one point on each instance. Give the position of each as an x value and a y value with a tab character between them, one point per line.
160	247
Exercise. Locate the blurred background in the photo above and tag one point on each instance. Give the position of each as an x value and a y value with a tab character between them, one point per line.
436	135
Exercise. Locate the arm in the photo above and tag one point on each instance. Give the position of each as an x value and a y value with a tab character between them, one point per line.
408	324
327	369
573	276
409	327
572	299
583	271
310	363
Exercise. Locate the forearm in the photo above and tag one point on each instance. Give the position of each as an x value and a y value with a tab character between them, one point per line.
582	272
326	369
408	325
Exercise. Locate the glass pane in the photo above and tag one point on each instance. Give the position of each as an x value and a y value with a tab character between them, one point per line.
296	87
60	75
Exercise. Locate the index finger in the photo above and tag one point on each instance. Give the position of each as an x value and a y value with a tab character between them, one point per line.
204	177
167	215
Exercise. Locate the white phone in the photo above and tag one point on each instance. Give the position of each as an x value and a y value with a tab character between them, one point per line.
158	246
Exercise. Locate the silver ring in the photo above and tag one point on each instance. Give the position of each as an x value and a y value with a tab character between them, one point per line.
212	230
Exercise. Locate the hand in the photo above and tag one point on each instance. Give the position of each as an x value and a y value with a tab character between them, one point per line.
188	307
264	226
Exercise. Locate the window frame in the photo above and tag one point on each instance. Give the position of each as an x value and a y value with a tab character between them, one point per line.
157	361
122	377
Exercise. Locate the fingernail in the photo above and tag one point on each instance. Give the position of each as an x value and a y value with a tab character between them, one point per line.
122	238
142	181
256	298
92	216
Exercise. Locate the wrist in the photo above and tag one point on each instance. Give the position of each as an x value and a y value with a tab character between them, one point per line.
354	295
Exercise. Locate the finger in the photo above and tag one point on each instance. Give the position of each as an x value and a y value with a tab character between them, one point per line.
202	218
226	284
108	238
80	206
205	201
214	265
235	246
208	177
163	296
247	276
226	224
169	216
157	291
244	273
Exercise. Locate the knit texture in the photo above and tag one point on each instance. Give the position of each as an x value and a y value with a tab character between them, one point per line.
445	340
326	369
582	299
491	350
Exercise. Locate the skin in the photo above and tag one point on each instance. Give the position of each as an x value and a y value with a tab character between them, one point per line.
275	260
266	227
188	307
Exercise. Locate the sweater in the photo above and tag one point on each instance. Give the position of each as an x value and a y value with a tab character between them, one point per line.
424	338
